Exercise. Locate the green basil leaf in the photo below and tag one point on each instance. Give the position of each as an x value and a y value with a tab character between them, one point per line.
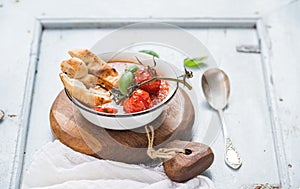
125	81
195	62
132	69
150	53
200	59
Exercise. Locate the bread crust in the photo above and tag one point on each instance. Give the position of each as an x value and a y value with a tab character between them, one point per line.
93	62
74	68
91	97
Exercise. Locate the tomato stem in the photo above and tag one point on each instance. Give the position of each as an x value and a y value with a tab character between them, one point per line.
165	78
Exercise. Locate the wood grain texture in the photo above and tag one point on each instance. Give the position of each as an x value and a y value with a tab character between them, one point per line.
68	126
184	167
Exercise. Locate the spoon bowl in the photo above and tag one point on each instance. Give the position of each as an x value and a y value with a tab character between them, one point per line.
216	88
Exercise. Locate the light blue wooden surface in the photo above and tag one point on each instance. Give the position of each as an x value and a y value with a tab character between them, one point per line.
17	20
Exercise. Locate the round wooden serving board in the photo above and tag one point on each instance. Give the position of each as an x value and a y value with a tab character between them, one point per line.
129	146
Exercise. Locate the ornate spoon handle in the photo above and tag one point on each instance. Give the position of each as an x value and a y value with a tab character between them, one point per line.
232	157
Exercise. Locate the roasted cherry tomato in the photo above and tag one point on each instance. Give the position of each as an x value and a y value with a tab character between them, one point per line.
138	101
106	110
143	75
162	93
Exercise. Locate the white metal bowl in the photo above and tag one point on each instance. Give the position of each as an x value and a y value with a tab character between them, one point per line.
129	121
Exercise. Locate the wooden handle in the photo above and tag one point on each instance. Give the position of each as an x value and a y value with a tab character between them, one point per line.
184	166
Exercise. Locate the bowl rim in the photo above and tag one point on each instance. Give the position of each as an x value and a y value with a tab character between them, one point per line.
85	108
90	110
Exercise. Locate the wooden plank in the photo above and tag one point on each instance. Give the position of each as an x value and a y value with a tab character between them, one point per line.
26	107
15	60
145	9
79	23
283	29
272	103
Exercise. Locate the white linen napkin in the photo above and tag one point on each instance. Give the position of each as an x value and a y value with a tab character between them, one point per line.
57	166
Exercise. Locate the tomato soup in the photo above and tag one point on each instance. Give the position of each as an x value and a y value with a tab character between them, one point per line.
145	97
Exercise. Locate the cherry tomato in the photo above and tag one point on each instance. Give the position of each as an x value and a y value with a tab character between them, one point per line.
106	110
143	75
138	101
162	93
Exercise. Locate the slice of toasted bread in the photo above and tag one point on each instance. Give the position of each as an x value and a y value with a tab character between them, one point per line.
91	97
108	82
107	76
74	68
93	62
89	81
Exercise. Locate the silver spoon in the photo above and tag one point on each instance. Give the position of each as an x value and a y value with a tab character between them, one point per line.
216	88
